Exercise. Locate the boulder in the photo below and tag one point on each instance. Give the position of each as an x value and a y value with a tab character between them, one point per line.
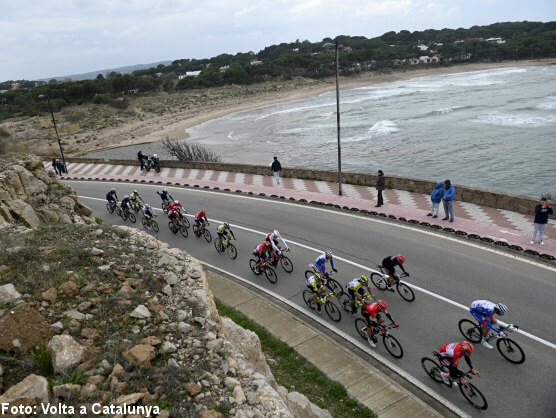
24	212
33	164
5	213
193	389
81	209
303	408
33	387
140	355
69	288
209	413
8	294
140	312
130	399
171	278
66	352
49	295
67	203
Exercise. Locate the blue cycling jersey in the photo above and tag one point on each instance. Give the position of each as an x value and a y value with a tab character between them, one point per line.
483	310
320	263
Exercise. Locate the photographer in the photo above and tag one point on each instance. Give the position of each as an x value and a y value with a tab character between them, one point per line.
542	211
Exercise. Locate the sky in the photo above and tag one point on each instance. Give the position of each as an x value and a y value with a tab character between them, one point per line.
47	38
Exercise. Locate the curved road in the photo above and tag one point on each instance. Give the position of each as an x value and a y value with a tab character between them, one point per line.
453	273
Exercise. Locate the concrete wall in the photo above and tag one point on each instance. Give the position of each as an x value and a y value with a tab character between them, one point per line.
521	204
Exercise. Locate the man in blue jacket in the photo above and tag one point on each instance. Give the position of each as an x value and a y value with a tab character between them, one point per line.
448	199
436	197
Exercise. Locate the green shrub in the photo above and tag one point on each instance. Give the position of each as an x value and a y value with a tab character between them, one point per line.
101	98
43	360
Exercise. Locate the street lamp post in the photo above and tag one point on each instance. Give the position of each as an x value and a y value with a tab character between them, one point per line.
42	96
336	47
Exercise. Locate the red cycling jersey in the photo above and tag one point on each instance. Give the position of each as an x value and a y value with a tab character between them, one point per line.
261	249
200	215
452	351
372	309
175	208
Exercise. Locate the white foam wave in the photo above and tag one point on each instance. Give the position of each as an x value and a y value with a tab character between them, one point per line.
381	128
517	120
550	104
231	136
448	110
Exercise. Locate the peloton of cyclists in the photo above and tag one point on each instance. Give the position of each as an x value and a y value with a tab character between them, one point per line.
483	311
112	197
371	314
451	353
389	264
356	290
278	244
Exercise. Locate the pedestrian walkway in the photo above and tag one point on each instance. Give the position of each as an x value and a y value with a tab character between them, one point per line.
497	224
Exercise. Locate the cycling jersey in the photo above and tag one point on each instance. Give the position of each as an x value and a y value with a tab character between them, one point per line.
147	212
483	310
452	352
125	203
111	196
320	263
390	263
313	284
371	312
165	196
223	231
274	239
355	286
260	250
201	215
135	196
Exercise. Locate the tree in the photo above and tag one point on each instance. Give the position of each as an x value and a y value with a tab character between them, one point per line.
100	77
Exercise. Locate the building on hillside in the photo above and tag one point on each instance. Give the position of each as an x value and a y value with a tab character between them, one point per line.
496	40
412	61
192	73
459	41
224	68
295	49
255	62
158	74
425	59
422	47
397	63
347	48
435	59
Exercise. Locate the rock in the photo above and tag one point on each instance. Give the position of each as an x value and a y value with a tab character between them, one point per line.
26	325
66	352
24	212
182	315
164	414
252	398
151	340
49	295
68	391
76	315
96	251
8	294
89	391
105	267
33	387
90	333
209	413
167	290
67	203
303	408
96	379
140	312
140	355
172	363
231	382
168	347
98	232
166	261
171	278
58	326
183	327
118	370
69	288
239	396
193	388
130	399
125	291
84	306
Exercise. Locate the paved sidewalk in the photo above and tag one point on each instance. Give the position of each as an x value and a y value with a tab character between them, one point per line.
497	224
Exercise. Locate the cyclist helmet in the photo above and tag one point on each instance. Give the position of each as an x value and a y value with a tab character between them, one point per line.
155	156
177	202
363	279
165	190
135	191
126	196
328	255
501	308
148	207
276	233
226	225
382	305
112	189
400	259
467	347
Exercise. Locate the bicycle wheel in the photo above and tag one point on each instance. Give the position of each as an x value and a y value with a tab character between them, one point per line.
286	264
218	245
270	275
253	266
172	228
379	281
309	273
120	212
361	327
144	222
335	285
405	292
308	299
392	345
186	222
470	330
232	253
473	396
154	225
131	217
510	350
432	368
333	311
109	208
183	230
196	231
207	235
344	299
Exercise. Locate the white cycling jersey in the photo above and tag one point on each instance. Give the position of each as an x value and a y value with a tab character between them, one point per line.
273	237
353	283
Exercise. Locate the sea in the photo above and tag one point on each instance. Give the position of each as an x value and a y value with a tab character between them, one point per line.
492	129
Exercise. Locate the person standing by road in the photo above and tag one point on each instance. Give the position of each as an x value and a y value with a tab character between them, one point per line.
379	189
276	167
436	198
55	166
141	159
448	199
542	210
60	167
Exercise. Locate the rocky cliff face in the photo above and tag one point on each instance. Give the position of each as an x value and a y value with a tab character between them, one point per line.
30	195
117	319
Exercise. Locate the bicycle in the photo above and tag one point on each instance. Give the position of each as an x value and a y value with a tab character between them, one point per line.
149	223
508	348
330	308
390	342
334	284
127	214
380	280
468	390
111	206
285	262
136	206
268	271
225	246
179	225
344	300
202	230
166	206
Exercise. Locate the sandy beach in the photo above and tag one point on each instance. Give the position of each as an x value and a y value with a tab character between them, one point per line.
204	105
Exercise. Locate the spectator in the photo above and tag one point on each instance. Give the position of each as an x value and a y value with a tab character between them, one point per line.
54	166
436	197
141	159
59	167
380	188
542	210
276	167
448	199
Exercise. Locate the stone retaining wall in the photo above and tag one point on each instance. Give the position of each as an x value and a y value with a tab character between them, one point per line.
516	203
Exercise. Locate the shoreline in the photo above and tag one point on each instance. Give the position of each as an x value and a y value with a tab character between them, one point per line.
157	127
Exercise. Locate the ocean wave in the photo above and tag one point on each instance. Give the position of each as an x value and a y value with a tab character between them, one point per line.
549	104
381	128
449	110
516	120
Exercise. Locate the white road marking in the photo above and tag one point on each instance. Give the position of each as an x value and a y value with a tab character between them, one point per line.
193	174
351	191
222	177
427	292
179	173
299	184
521	222
164	172
406	198
127	170
258	180
476	213
323	186
208	174
105	169
239	178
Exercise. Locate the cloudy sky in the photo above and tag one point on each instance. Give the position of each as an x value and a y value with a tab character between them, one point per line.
44	38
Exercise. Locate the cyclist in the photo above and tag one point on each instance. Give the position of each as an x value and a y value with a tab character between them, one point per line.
355	290
262	252
315	284
165	196
201	219
148	213
277	242
389	264
452	352
125	204
225	233
483	311
320	262
175	212
371	314
112	197
136	200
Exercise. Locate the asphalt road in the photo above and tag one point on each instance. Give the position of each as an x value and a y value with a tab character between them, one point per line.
446	267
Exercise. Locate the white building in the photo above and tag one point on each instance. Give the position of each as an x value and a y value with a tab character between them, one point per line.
255	62
496	40
192	73
422	47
